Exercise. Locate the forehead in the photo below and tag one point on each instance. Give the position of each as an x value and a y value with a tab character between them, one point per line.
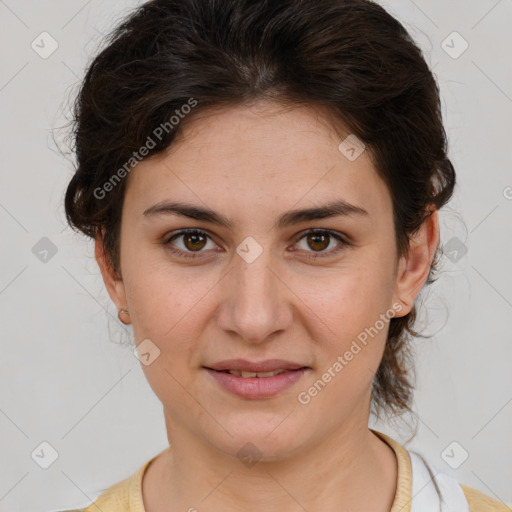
253	158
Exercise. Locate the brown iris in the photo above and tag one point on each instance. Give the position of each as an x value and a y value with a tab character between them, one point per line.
197	241
318	241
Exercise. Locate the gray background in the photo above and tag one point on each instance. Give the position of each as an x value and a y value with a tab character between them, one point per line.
67	373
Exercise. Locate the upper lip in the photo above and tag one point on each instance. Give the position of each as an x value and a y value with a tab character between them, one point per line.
268	365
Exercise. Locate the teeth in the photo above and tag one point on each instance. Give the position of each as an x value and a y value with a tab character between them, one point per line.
255	374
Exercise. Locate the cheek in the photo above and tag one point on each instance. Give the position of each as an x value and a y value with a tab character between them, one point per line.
354	310
352	298
166	310
164	298
170	307
357	311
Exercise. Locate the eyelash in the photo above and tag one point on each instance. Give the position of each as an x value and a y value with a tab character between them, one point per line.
343	242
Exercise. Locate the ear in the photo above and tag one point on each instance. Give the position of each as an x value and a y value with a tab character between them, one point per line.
113	282
414	267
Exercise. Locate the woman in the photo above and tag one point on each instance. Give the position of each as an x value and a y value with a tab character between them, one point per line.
262	181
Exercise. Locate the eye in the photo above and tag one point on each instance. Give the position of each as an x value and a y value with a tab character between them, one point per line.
192	242
319	240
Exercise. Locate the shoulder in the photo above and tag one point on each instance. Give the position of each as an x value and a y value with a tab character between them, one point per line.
117	498
123	496
113	499
418	480
480	502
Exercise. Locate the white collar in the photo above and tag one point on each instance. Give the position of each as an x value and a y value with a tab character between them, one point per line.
424	497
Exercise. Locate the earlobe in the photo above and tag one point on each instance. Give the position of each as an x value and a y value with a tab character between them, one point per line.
113	283
414	267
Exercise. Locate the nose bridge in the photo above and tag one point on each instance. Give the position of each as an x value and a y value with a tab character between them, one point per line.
256	303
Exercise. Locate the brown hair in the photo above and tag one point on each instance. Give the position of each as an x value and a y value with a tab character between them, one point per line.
349	57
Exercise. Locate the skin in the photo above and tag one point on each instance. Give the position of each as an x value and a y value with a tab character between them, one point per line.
252	164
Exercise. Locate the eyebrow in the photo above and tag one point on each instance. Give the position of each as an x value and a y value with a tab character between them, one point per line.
333	209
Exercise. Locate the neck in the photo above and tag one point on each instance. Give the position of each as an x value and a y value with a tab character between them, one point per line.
351	469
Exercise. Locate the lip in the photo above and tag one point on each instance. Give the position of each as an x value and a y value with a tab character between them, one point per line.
268	365
256	387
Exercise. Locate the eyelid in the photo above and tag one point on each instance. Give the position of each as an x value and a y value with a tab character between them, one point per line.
185	231
333	233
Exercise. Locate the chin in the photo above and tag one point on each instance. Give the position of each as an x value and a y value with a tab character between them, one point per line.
261	438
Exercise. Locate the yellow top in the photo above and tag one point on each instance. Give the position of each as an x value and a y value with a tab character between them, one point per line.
126	496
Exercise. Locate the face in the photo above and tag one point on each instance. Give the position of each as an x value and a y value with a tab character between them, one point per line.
255	280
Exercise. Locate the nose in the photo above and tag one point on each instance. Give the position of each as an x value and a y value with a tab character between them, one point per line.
256	301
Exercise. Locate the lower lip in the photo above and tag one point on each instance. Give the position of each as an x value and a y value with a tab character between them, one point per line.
257	387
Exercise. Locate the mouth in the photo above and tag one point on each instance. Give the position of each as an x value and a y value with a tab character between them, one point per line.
256	380
247	375
258	367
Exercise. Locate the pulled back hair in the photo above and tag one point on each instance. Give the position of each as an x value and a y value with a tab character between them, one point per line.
348	57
